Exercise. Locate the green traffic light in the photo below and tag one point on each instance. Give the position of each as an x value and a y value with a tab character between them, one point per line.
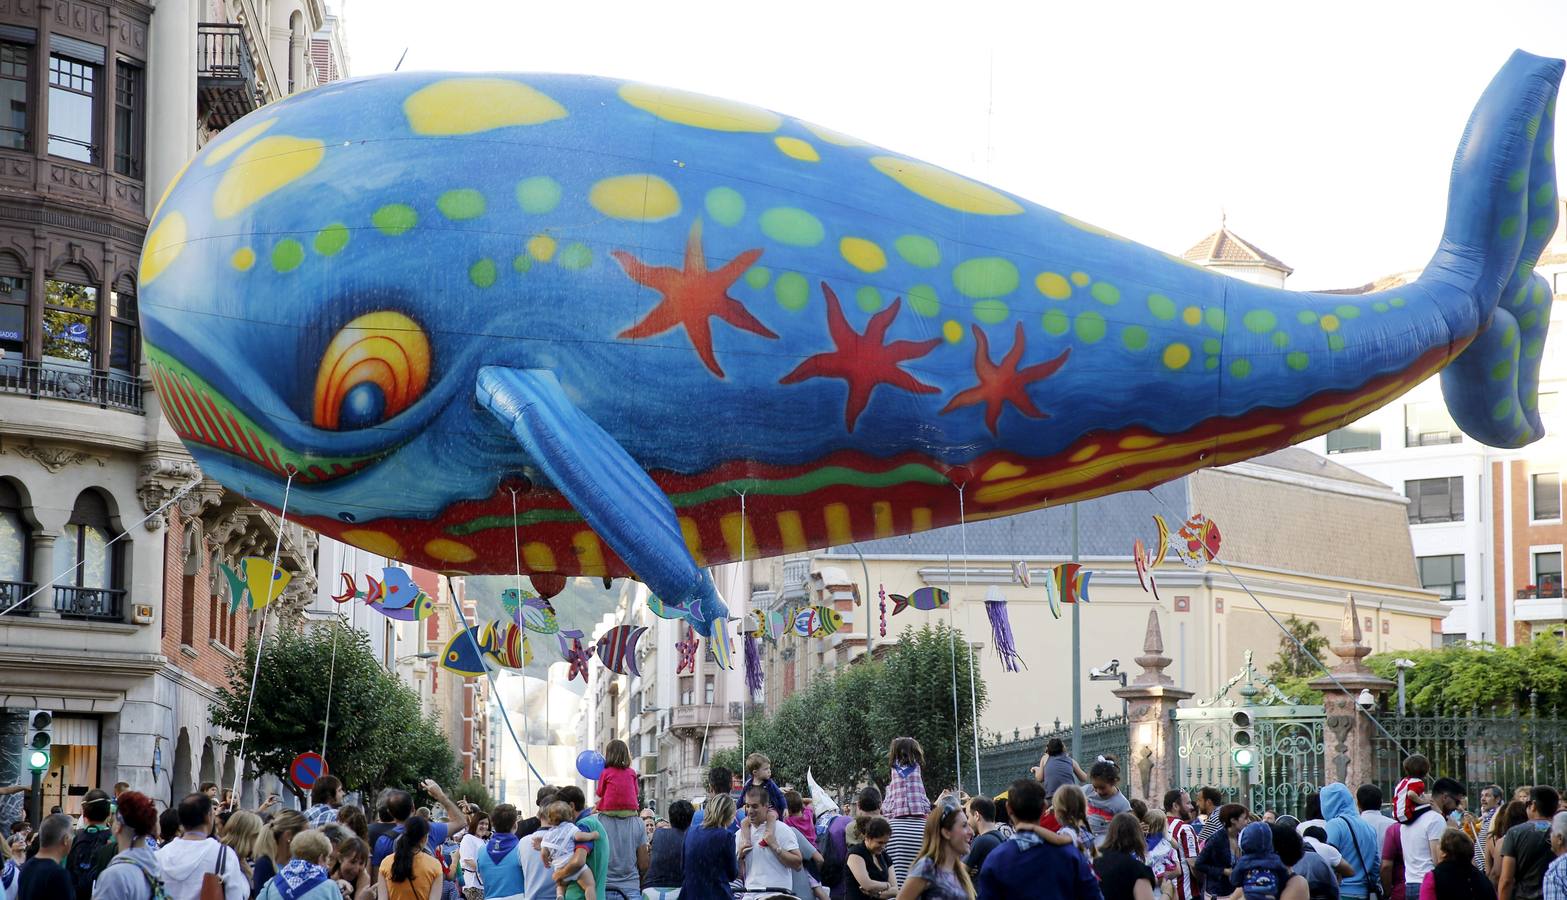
1244	757
38	760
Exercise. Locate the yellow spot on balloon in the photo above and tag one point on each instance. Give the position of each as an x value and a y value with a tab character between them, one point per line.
450	551
864	255
836	138
1328	322
1091	228
1053	286
541	247
243	259
1191	315
163	247
228	146
699	110
638	198
1140	442
952	331
1085	454
538	557
471	105
590	553
1176	356
1001	470
791	531
794	148
839	528
946	188
378	542
268	165
1080	278
693	538
919	517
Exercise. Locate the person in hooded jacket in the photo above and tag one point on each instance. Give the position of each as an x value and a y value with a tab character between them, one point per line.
133	872
193	854
1356	841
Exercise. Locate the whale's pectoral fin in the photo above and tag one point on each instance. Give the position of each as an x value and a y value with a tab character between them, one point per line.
613	494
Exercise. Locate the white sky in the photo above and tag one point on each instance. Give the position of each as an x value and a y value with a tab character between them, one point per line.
1324	129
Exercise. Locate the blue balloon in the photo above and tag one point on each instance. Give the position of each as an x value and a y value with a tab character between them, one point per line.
590	764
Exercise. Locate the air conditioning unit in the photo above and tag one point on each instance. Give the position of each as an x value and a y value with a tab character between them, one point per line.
141	613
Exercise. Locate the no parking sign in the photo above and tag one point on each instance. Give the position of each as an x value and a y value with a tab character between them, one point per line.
306	769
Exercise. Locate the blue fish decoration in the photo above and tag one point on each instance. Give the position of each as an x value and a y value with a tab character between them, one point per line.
617	649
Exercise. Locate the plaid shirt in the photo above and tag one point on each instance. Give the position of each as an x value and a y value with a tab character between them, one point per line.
321	814
906	795
1555	886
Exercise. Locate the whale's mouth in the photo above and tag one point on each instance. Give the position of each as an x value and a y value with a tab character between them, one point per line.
202	416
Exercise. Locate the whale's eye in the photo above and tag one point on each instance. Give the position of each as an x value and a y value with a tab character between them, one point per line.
374	368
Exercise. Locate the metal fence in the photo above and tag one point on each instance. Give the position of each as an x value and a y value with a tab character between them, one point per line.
1287	744
1002	760
1510	747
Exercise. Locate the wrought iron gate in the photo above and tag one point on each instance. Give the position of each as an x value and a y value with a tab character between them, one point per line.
1286	740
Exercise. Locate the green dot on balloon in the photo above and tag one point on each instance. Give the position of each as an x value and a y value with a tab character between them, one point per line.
394	219
1306	317
1281	339
1345	311
1105	293
991	311
575	256
868	299
1056	322
1240	368
1134	337
1501	370
922	297
1528	319
1379	306
917	250
725	205
1297	360
522	262
985	277
1210	345
1503	408
792	290
1089	327
1335	342
795	227
482	273
331	240
1214	316
1211	362
1161	306
461	204
758	276
1396	302
287	255
538	195
1259	321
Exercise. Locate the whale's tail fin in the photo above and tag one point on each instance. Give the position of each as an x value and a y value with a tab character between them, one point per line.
1501	211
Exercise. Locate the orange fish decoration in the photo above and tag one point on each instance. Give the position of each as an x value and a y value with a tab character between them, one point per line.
1199	542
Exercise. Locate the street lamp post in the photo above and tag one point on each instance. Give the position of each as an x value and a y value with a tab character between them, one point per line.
1077	660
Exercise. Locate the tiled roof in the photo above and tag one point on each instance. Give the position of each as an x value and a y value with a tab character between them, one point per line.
1225	247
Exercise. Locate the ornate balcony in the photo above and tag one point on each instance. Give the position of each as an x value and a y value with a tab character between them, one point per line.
89	603
225	73
109	390
12	592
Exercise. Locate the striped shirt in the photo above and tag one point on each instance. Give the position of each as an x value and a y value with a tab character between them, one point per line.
1210	828
1185	841
1485	831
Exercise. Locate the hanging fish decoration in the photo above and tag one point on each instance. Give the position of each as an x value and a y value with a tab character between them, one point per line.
263	581
1071	582
926	598
1001	629
663	610
538	616
237	589
1021	573
1145	575
512	600
719	646
1198	542
575	654
753	663
398	590
617	649
465	653
1050	595
1161	543
687	648
759	625
817	621
507	644
418	609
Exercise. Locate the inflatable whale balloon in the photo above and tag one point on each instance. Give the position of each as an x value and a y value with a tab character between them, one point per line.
413	300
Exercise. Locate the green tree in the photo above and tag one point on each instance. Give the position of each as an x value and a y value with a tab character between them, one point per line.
474	791
376	736
1293	661
914	697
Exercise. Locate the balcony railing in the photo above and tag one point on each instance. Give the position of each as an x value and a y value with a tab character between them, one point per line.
225	73
110	390
704	715
11	593
89	603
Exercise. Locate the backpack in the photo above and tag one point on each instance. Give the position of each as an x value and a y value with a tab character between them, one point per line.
81	863
834	853
155	888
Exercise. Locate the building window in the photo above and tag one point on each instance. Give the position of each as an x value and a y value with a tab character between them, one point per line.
14	65
1427	423
14	539
70	313
71	91
83	556
13	313
124	345
708	690
1546	496
1548	574
1435	500
687	691
1442	574
130	116
1355	438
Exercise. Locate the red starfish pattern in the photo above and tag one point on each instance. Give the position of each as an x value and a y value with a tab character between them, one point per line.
863	360
1004	383
692	296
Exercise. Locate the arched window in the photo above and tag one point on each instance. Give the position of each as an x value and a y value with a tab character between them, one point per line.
191	557
14	325
71	316
86	564
15	546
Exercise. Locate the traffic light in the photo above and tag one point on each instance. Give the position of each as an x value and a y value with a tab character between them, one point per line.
40	739
1242	739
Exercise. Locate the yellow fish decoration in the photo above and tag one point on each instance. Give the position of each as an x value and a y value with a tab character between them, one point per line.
264	582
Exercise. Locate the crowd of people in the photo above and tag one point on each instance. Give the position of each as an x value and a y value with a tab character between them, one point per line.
1060	833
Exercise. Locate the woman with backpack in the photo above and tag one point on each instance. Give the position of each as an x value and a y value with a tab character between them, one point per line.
133	873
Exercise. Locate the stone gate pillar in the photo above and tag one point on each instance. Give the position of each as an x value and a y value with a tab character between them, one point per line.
1347	731
1153	765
